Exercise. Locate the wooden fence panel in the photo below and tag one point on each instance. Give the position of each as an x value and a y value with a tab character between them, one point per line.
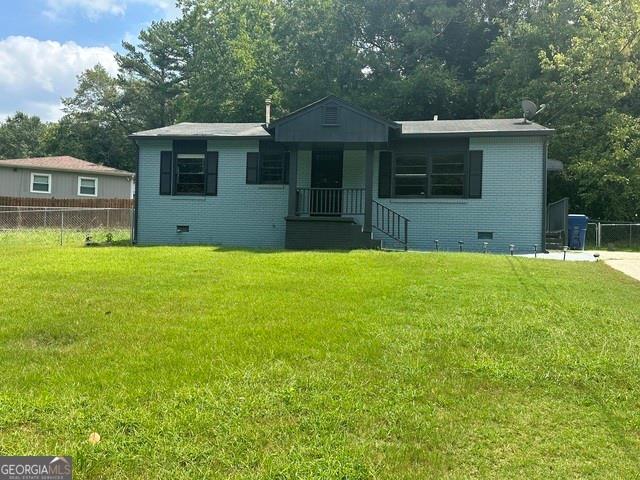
67	202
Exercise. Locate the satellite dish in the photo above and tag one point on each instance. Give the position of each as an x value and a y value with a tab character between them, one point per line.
530	109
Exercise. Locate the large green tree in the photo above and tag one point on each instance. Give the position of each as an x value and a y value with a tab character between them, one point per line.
20	136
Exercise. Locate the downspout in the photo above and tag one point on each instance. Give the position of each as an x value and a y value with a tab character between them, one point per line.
545	146
134	240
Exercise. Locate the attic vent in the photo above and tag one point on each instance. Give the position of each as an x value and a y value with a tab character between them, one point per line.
330	116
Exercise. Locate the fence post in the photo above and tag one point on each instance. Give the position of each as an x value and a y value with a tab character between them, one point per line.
108	210
630	235
61	225
599	235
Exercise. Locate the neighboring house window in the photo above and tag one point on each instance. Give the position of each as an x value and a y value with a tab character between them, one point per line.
40	183
87	186
267	168
432	175
190	175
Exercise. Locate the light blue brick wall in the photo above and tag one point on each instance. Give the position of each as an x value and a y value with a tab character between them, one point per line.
241	215
253	215
511	205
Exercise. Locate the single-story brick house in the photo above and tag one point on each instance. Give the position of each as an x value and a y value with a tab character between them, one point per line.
333	176
63	177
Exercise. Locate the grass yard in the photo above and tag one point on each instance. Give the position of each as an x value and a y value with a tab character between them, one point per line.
11	237
201	363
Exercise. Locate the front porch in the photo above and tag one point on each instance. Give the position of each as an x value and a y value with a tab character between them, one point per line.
331	201
333	148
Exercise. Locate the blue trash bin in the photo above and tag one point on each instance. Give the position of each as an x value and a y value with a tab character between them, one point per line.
578	231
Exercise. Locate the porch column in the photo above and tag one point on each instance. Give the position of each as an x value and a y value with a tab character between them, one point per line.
293	180
368	190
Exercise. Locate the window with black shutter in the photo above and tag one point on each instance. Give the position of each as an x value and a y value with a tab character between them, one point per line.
437	174
189	174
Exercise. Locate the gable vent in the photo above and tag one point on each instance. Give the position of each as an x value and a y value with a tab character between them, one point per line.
330	115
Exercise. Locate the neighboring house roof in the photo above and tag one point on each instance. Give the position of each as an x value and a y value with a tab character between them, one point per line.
65	164
486	127
206	130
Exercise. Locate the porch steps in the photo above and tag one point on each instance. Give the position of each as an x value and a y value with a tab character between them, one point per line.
327	233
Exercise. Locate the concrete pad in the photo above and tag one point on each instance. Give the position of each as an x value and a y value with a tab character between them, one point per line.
626	262
572	256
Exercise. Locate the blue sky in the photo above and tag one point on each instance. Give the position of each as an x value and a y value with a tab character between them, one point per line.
45	44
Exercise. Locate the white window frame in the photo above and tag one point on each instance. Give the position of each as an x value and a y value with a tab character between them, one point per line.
95	194
33	175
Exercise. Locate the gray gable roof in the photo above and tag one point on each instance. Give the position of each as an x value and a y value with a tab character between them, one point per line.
484	127
336	100
206	130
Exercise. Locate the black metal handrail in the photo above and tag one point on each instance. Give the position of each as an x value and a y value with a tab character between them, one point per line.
330	201
391	223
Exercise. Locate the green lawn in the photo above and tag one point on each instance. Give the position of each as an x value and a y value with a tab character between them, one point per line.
197	363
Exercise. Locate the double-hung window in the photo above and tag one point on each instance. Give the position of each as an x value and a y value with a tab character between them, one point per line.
430	175
411	176
40	183
189	174
268	168
273	168
447	175
87	186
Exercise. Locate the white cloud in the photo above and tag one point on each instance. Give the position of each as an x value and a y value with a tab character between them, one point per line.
34	74
95	9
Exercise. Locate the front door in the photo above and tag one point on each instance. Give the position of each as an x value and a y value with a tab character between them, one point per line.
326	175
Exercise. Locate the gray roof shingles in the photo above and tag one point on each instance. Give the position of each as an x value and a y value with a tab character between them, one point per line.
469	127
205	130
63	163
508	126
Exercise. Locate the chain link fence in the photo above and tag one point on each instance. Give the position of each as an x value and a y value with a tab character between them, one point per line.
65	226
613	236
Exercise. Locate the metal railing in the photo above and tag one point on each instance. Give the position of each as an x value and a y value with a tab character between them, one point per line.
391	223
557	230
63	225
330	201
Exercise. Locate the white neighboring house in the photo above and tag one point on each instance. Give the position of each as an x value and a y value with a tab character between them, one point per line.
63	177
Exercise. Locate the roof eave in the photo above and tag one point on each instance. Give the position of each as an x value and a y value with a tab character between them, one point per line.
120	173
134	136
486	133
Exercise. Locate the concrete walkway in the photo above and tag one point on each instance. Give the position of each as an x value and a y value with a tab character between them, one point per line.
626	262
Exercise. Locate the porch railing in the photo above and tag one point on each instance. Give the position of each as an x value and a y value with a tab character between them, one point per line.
330	201
391	223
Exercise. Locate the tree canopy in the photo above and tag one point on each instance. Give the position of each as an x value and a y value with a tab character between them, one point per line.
406	59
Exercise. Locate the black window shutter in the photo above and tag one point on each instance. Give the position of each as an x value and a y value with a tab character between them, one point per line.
384	175
166	161
285	169
211	174
475	174
253	160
